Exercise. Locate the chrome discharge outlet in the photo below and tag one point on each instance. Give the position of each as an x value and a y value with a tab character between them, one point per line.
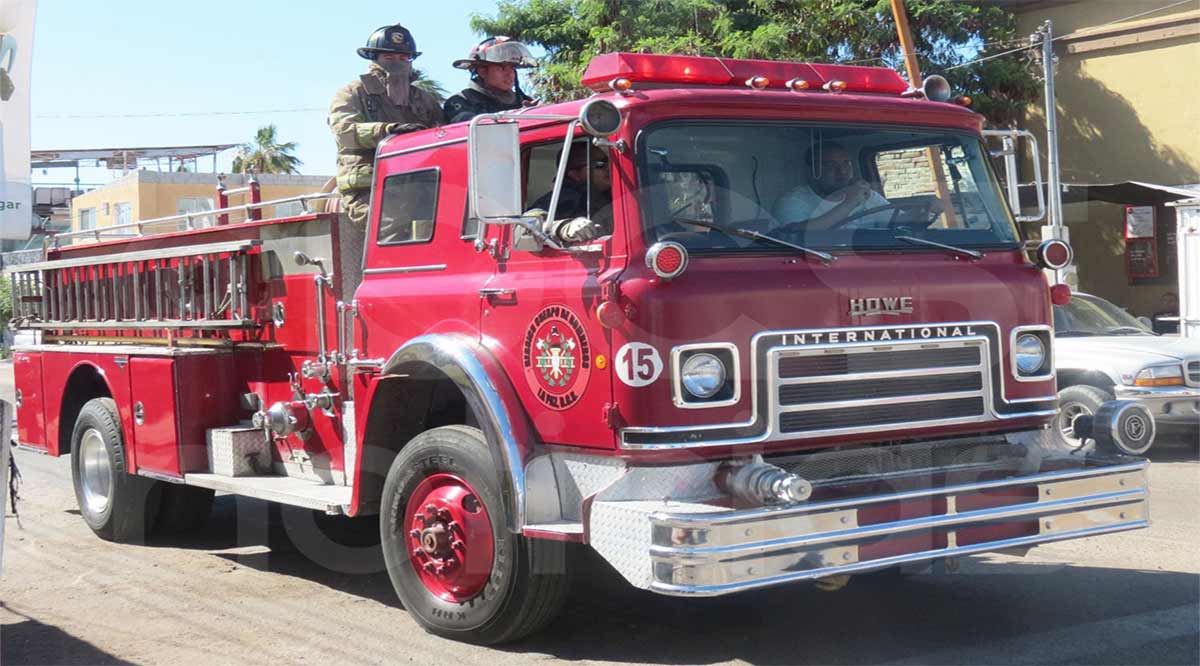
758	482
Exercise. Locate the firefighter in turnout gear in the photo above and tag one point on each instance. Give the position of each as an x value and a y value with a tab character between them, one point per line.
381	102
493	64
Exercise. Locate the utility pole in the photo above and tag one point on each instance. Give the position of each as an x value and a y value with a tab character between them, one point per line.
1055	228
900	12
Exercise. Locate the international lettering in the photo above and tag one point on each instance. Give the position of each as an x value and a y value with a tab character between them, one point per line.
890	334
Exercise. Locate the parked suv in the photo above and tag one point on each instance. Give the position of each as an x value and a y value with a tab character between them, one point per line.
1102	352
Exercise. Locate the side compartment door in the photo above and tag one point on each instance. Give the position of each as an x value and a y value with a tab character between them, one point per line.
31	415
156	433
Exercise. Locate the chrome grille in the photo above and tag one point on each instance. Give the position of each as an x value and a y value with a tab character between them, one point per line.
1193	373
857	388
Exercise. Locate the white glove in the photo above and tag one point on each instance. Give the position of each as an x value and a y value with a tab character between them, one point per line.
577	230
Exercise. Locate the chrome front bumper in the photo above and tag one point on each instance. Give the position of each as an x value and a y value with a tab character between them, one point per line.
701	548
1174	405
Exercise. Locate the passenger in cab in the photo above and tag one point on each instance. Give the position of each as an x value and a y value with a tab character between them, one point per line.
832	194
494	87
585	203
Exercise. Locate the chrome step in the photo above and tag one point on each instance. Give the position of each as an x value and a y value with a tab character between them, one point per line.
331	499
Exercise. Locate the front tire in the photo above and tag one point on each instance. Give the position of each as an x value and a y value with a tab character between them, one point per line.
453	562
1074	401
116	505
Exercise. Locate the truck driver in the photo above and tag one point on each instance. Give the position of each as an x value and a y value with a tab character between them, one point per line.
832	193
581	218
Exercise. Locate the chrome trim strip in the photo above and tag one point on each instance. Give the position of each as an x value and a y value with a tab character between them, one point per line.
30	448
753	421
1012	357
491	398
417	149
684	553
159	476
883	563
405	269
691	520
677	376
868	402
881	374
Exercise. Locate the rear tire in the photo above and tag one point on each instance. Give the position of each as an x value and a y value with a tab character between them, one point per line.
1074	401
451	470
116	505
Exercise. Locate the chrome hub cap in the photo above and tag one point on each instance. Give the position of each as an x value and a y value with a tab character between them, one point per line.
95	471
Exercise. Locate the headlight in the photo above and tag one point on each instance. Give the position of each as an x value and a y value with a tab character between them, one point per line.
703	375
1160	375
1030	353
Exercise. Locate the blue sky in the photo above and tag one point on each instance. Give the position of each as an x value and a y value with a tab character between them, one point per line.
171	56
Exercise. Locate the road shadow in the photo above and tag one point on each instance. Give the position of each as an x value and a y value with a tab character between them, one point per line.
873	619
1178	448
32	642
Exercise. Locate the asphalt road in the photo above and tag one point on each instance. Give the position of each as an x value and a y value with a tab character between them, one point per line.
249	589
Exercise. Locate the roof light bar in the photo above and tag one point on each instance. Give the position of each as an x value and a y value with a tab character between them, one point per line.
651	69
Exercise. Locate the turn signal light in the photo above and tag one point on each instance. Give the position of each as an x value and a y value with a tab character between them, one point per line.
1054	254
1060	294
1160	375
963	100
620	84
667	259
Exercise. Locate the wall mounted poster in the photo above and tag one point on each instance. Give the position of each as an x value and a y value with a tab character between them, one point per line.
1139	222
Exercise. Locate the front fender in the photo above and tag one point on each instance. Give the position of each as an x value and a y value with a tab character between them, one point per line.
492	400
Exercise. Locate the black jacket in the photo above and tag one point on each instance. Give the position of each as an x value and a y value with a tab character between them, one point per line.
470	103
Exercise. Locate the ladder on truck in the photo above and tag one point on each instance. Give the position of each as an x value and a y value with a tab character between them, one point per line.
201	287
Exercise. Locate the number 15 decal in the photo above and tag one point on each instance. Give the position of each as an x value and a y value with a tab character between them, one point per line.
638	364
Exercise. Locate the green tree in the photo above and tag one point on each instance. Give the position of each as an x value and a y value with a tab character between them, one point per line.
946	33
430	86
266	154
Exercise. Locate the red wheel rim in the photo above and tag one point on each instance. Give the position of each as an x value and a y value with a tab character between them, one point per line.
449	537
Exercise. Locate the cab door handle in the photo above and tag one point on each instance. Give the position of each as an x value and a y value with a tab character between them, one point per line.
488	292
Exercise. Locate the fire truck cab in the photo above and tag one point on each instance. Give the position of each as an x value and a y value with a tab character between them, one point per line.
804	340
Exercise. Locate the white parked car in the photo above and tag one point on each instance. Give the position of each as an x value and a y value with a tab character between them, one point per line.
1102	352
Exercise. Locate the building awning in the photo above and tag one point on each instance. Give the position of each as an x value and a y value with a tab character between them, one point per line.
121	158
1129	193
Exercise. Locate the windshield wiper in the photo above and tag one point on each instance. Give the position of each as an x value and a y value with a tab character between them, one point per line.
974	254
825	257
1064	334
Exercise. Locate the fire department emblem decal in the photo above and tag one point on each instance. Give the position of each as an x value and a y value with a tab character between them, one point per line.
557	357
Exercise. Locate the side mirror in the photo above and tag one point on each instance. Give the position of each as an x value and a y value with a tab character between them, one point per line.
1145	321
494	179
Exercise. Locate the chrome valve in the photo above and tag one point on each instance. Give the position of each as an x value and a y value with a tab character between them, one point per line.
759	482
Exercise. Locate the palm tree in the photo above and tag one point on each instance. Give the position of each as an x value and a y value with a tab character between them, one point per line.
429	85
266	154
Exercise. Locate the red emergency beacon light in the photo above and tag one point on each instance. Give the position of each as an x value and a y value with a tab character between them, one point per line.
650	69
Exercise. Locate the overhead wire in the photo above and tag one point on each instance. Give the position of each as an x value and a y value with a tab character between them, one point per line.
179	114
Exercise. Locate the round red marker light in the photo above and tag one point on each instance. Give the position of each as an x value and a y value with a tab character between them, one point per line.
1054	254
1060	294
667	259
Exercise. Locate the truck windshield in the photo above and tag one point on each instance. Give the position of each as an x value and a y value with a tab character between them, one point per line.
831	187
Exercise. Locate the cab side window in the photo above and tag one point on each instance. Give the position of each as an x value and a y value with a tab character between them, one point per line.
409	208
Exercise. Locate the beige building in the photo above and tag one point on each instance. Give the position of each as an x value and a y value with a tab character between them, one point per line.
1127	83
147	195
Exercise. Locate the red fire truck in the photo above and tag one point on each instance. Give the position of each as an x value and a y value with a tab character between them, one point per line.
742	380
